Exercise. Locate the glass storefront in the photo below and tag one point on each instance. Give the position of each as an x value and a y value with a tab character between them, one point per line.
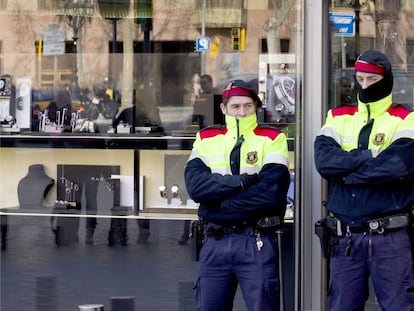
100	101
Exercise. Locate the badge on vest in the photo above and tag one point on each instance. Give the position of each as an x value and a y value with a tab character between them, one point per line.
251	157
379	139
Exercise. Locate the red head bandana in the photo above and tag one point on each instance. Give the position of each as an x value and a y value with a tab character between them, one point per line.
363	66
236	91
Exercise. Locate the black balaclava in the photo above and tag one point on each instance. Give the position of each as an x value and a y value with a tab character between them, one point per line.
373	61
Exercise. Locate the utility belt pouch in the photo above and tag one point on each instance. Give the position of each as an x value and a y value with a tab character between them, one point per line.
197	238
325	229
323	235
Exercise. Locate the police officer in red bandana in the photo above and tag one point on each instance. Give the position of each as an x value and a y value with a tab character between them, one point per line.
366	152
239	175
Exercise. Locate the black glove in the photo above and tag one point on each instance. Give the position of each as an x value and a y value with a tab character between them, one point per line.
248	180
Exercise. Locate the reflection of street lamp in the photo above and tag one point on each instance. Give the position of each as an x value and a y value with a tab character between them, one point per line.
144	12
357	9
114	10
77	11
357	5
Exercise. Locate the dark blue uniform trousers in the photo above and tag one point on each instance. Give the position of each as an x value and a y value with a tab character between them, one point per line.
386	258
234	259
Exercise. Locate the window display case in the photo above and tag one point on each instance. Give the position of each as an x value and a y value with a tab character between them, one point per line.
163	189
116	191
116	168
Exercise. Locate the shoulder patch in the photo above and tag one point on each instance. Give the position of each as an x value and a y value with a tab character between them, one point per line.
212	131
268	131
344	110
399	110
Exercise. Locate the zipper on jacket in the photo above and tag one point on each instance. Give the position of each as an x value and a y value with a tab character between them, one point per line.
235	152
363	138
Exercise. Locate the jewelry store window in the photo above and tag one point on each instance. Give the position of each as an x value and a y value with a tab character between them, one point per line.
100	102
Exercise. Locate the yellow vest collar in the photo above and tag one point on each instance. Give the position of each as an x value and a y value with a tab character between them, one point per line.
247	123
378	107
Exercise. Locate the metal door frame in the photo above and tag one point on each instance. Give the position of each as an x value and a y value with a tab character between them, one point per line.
310	279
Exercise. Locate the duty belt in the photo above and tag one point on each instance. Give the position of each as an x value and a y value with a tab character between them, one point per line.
218	232
273	222
263	224
380	225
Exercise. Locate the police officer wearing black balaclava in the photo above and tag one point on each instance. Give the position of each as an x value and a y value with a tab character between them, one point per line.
366	152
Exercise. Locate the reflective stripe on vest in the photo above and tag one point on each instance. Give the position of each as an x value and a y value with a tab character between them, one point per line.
258	149
344	124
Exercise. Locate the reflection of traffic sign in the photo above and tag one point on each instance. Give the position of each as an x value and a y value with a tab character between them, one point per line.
203	44
53	41
57	48
343	24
